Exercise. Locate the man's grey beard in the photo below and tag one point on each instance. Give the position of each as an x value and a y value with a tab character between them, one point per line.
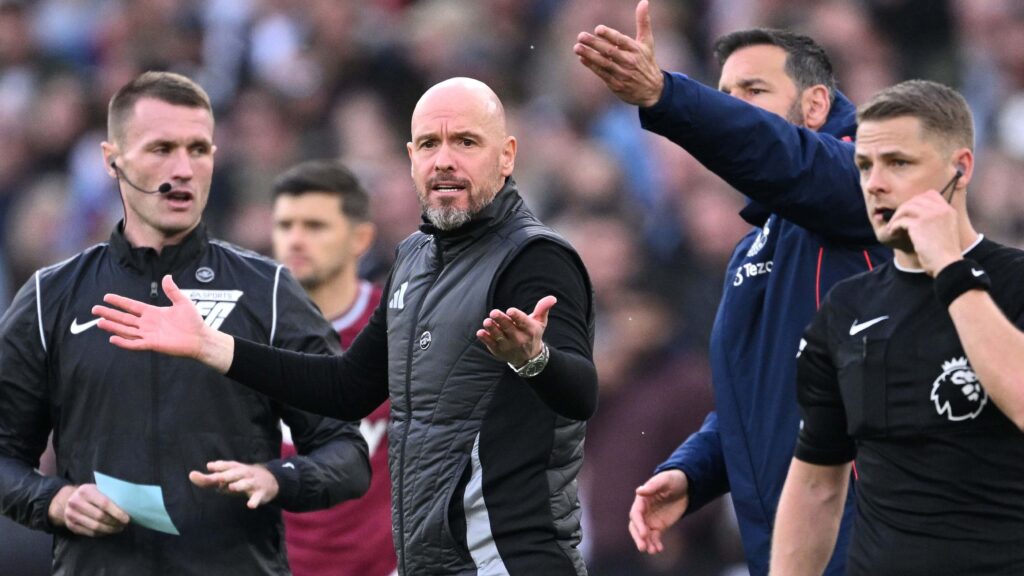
448	217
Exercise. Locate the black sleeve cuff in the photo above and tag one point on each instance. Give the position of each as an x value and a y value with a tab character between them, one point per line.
289	482
824	456
959	277
40	519
653	112
568	385
243	361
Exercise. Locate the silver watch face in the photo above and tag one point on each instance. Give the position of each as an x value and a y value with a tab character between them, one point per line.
531	369
535	365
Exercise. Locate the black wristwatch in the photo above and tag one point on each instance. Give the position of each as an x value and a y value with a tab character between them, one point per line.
534	365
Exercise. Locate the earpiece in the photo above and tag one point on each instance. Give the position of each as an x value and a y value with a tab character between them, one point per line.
887	213
952	183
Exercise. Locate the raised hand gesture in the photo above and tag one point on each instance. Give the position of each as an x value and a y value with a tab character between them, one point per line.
515	336
626	65
177	330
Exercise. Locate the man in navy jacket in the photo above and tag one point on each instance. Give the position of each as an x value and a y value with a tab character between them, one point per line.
779	132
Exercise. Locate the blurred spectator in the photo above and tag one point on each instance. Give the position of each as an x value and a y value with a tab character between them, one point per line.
1000	205
15	171
20	67
692	279
364	133
258	142
609	248
653	390
921	32
861	57
395	214
58	117
32	231
93	204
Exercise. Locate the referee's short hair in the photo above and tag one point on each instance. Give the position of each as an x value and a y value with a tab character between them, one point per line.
942	111
807	64
326	177
164	86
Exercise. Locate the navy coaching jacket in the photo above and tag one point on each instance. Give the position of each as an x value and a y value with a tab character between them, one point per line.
810	230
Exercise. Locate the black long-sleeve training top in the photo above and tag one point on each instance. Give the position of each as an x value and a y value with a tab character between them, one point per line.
353	385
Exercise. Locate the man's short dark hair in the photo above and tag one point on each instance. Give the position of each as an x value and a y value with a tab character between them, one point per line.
164	86
806	61
943	112
329	177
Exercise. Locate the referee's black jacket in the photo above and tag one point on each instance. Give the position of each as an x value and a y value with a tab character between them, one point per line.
884	378
151	419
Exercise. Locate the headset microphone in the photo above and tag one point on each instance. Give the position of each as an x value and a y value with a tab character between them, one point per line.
162	189
951	186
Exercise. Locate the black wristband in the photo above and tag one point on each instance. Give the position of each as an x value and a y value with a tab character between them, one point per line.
959	277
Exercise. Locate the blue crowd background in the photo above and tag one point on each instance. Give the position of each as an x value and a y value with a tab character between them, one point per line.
293	80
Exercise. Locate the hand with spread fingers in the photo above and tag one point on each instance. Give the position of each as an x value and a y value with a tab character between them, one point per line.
624	64
85	511
514	336
253	481
177	330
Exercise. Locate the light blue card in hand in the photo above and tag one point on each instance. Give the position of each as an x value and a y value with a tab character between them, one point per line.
143	502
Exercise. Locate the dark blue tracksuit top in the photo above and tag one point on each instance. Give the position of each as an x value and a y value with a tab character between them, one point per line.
810	230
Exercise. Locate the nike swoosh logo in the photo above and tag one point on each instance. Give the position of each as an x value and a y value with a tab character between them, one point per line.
288	465
977	272
857	328
77	328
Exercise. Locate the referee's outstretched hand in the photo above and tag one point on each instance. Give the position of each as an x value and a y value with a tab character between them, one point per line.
251	481
626	65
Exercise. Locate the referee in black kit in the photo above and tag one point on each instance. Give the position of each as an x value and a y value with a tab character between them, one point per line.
915	369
